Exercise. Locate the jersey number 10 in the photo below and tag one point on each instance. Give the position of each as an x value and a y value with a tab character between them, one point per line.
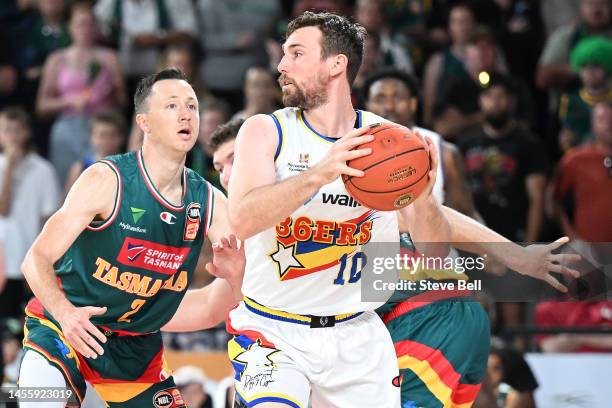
358	261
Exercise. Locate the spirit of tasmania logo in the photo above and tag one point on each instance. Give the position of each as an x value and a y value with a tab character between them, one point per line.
152	256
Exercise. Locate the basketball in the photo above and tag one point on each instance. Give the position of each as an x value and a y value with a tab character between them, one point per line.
395	172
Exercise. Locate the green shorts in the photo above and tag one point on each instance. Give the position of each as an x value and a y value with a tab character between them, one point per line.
131	372
442	350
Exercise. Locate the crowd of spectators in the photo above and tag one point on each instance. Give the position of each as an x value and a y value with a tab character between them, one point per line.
521	88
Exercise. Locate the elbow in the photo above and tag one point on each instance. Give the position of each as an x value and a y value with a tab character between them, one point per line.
240	224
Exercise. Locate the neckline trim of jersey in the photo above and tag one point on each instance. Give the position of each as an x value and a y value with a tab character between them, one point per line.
151	187
303	119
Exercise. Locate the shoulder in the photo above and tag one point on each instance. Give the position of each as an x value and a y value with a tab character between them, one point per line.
261	128
576	155
39	164
563	33
369	118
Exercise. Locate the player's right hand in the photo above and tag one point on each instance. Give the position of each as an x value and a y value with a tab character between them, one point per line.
80	332
334	164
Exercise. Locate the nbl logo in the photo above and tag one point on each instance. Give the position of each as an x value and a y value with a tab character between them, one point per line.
170	398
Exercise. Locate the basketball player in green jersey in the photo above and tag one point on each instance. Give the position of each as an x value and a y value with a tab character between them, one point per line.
112	266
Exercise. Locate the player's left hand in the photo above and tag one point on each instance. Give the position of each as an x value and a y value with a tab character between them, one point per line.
228	261
538	261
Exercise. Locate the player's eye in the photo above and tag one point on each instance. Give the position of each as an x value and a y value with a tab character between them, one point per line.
171	105
192	106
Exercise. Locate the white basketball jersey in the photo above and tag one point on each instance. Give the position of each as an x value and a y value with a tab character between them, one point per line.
304	265
438	190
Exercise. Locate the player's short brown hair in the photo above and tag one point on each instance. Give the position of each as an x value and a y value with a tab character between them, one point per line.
340	36
224	133
145	85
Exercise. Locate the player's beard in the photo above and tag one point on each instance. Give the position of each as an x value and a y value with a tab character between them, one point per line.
305	98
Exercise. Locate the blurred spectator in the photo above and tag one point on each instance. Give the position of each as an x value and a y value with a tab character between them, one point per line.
214	113
592	60
224	394
333	6
40	33
369	13
457	108
141	28
583	183
191	382
8	71
521	36
510	377
450	62
261	93
506	167
180	56
574	315
29	195
78	82
554	70
394	95
12	336
107	138
233	34
557	13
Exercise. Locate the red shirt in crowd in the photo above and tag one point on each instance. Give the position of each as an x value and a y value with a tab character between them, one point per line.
583	174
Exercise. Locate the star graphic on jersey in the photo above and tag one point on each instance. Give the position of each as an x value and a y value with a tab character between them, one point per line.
285	258
256	358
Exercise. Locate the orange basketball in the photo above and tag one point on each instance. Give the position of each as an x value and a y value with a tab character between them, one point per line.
395	172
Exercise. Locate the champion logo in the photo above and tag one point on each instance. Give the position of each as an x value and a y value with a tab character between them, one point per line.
134	251
167	217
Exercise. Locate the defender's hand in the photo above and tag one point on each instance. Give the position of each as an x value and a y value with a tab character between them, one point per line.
228	261
538	261
80	332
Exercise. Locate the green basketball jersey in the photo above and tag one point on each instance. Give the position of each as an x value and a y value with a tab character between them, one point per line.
139	262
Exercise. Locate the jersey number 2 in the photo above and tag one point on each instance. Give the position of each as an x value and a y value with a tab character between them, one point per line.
358	261
136	305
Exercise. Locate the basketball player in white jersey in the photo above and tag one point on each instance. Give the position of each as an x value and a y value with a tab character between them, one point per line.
302	329
302	326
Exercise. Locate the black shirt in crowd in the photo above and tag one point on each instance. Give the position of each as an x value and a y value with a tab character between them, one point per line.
496	169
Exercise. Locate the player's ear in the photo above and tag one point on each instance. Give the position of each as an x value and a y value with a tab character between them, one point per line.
339	65
143	123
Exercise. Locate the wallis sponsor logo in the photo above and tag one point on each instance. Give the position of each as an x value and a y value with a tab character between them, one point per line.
340	199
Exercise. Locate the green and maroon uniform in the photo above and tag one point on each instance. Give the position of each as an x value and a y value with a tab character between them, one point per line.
138	264
442	344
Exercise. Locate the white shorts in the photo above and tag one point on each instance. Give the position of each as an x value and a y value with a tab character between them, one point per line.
279	357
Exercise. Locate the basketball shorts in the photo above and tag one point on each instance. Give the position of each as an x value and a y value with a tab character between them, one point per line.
337	361
131	372
442	351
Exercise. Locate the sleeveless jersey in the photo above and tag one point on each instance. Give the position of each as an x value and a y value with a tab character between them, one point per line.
138	262
310	262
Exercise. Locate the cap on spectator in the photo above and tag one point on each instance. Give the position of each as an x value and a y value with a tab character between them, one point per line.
189	375
481	33
592	51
